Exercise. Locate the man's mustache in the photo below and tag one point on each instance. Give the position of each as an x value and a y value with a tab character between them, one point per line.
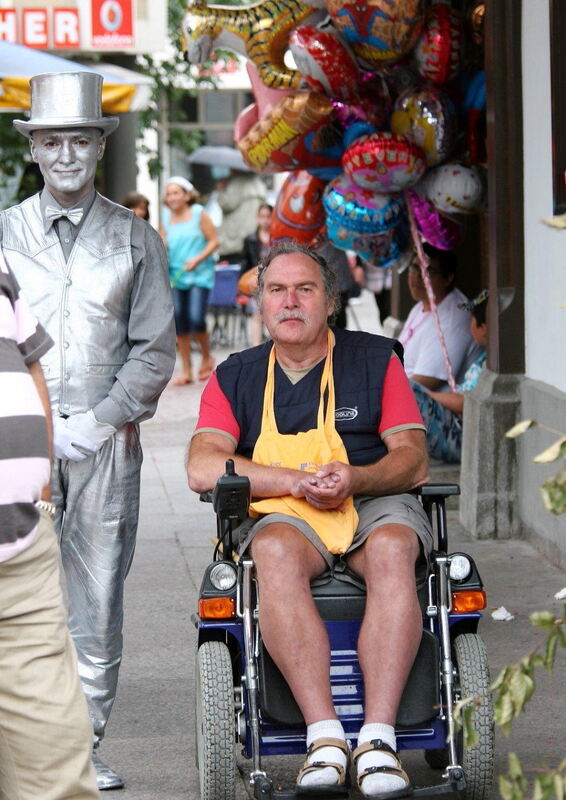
292	315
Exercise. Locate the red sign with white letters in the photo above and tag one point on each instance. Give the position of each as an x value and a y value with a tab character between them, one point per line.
41	28
8	25
66	28
35	29
112	24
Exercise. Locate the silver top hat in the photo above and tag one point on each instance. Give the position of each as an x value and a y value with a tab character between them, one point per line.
66	100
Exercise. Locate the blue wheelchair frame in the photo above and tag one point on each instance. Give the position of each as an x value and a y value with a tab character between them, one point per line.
267	721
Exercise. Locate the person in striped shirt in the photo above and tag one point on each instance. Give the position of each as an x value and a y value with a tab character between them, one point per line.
45	730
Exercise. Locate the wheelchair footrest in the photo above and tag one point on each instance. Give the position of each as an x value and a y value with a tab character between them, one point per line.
264	790
455	786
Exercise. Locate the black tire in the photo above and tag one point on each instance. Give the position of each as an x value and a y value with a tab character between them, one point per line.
470	659
470	662
215	722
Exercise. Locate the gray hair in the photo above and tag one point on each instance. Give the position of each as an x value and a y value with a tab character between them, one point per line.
327	271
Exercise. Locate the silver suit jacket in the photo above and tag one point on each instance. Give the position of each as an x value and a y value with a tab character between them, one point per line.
111	319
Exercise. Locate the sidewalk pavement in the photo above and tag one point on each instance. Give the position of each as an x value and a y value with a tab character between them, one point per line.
150	736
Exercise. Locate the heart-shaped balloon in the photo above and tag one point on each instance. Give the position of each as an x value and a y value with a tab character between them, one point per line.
379	31
434	227
384	162
325	63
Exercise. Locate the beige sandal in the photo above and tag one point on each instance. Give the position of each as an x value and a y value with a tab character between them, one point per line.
380	745
324	789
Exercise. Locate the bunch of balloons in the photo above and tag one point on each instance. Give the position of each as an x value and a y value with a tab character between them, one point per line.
376	120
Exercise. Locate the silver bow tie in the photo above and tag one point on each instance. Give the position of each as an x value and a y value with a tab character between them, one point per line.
74	215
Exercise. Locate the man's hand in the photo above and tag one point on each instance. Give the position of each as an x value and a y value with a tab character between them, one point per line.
80	435
66	442
329	487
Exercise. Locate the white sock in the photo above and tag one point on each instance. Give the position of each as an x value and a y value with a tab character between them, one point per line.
379	781
328	776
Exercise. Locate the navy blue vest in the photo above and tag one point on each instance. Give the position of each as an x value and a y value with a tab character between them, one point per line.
360	363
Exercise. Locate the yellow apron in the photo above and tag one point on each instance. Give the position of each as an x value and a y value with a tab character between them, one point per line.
305	451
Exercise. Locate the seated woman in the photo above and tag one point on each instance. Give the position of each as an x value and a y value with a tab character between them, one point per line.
424	359
442	411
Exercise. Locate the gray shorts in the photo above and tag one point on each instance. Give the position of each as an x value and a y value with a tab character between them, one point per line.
373	512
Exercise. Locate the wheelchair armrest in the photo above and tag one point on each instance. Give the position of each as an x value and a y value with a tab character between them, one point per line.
437	490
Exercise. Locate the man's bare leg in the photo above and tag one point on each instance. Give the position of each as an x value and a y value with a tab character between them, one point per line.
388	642
291	627
296	638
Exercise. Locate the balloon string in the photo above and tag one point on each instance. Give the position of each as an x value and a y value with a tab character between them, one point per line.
424	261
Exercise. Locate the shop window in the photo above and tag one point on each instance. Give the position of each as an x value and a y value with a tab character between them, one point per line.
219	107
185	108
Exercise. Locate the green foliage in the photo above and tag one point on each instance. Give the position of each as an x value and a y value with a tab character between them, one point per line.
15	157
513	785
511	691
553	493
553	490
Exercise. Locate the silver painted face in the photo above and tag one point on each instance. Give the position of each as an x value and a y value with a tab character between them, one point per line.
67	160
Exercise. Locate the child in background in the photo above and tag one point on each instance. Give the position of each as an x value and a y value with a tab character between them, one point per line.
442	411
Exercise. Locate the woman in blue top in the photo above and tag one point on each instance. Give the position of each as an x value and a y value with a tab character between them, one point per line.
191	239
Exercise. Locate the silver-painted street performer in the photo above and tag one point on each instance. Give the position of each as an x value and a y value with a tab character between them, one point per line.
96	276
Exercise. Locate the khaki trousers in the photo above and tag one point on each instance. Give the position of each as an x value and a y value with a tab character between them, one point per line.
45	732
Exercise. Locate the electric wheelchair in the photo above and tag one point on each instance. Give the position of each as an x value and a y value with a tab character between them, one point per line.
242	698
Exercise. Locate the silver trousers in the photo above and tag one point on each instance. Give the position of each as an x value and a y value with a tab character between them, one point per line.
97	503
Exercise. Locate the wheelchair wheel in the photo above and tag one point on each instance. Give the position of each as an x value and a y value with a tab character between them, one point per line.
470	662
215	722
470	658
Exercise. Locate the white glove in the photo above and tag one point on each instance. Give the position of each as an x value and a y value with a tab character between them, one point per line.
65	442
80	435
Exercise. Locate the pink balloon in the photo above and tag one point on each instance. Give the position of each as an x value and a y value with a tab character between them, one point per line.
265	97
245	120
437	230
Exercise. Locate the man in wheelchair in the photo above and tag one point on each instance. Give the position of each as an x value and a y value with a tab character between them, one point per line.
325	425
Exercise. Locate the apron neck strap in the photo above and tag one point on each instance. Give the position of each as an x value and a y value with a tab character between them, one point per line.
326	380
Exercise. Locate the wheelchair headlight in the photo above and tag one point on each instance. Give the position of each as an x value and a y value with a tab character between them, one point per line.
460	567
223	576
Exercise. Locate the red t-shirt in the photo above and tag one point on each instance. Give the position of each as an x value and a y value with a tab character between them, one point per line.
399	406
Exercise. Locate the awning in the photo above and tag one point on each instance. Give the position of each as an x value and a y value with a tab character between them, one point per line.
122	90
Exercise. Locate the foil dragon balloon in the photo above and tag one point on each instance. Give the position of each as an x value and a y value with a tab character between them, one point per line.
258	31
